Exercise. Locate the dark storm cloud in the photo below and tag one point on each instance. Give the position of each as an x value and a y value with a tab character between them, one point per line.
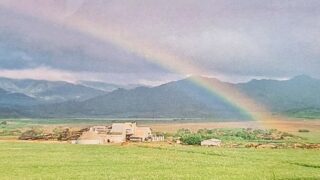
227	38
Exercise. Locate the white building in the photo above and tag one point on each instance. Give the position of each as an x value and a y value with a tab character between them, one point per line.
117	133
211	142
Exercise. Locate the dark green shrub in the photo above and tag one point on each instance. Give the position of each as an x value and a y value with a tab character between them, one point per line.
192	139
304	130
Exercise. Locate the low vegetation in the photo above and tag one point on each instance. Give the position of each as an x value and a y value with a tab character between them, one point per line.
6	132
303	130
60	134
187	137
7	129
234	138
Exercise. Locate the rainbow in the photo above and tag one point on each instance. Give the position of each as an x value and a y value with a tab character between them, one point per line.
161	57
172	63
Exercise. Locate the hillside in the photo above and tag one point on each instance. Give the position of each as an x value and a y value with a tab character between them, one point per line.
299	92
297	97
8	99
12	103
175	99
49	91
184	99
107	87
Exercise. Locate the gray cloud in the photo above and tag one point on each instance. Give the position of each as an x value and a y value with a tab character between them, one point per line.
28	42
227	38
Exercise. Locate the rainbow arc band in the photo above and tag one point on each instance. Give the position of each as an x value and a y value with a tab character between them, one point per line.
155	55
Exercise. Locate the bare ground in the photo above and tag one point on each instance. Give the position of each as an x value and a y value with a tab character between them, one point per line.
283	125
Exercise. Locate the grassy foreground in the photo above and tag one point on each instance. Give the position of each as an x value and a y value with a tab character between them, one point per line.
19	160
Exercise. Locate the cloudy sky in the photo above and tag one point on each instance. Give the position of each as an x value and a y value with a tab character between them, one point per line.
150	42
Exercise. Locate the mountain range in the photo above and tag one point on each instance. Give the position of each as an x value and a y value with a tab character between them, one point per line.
298	97
58	91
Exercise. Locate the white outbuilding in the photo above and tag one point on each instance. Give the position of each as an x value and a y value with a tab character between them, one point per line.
211	142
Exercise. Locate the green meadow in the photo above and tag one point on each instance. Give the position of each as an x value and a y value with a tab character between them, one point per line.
20	160
53	160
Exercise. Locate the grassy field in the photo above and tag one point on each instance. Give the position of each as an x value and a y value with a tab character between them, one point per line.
19	160
53	160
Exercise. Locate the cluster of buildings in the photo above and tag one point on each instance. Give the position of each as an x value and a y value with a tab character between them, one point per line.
117	133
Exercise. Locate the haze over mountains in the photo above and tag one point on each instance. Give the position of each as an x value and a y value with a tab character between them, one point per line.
58	91
179	99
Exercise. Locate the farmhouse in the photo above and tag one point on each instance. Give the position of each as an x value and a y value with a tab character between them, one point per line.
117	133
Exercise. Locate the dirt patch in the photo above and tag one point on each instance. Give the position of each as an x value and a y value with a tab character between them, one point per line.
282	125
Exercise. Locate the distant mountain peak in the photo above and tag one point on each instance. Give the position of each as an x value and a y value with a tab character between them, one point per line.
197	77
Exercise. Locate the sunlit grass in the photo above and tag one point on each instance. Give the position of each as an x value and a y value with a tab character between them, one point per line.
65	161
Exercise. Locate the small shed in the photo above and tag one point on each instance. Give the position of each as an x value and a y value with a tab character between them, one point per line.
211	142
142	133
